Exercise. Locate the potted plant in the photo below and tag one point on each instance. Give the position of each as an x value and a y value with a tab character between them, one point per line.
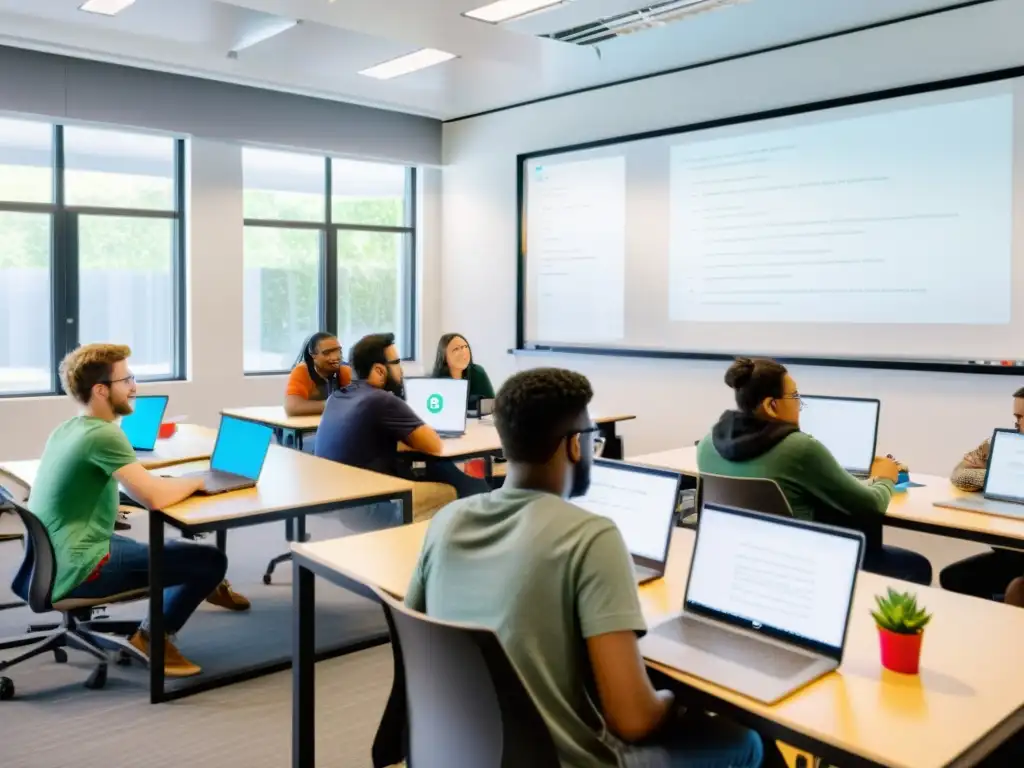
901	622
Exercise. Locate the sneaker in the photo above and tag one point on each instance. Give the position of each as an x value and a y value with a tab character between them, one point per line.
121	522
175	663
225	597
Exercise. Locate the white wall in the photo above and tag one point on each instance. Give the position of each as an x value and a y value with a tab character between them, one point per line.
928	420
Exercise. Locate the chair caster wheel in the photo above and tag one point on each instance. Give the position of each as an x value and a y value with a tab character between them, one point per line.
60	655
97	679
267	578
124	659
6	689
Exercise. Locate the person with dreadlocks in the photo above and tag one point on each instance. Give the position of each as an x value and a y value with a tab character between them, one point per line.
317	373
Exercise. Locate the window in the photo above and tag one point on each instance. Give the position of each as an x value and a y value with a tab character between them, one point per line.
328	245
90	250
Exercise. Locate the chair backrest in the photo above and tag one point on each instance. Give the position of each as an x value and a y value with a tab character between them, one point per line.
755	493
33	581
13	488
461	696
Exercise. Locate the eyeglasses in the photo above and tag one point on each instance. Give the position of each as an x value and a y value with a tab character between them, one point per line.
460	348
794	396
397	361
330	351
110	382
598	438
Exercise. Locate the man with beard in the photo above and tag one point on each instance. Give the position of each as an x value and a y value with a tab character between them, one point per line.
364	422
75	495
555	583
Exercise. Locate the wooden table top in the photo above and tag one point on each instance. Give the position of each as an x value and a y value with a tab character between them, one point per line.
274	416
970	678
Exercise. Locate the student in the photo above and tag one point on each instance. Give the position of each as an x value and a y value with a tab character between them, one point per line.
556	584
455	361
364	422
317	373
762	438
988	574
75	495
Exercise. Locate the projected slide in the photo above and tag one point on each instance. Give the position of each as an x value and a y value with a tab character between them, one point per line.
577	234
867	219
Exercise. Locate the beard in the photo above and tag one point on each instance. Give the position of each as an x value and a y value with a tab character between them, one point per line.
394	386
580	480
123	407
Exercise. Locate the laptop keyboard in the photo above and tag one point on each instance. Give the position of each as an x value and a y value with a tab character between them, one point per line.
735	647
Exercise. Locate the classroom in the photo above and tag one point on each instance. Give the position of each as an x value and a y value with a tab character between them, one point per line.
533	382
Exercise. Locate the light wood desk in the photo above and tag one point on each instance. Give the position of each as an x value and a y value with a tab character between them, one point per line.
913	509
968	699
289	430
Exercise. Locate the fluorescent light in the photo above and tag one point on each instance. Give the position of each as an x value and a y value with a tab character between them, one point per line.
411	62
503	10
105	7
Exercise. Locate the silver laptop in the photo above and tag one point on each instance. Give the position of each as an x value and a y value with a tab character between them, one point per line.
847	426
440	403
1004	479
142	425
641	501
767	603
238	456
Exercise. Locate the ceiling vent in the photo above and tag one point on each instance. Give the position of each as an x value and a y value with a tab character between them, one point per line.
654	15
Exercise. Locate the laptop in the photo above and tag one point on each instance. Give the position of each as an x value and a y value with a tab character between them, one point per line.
1003	494
142	426
440	403
767	603
238	456
847	426
641	501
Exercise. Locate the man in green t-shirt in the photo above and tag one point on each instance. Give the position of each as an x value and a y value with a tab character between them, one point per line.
555	583
75	495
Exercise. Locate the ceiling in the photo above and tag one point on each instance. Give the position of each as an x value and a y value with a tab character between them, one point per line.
497	65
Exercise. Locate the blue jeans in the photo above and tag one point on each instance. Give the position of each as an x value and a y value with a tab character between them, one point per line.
696	741
445	471
191	573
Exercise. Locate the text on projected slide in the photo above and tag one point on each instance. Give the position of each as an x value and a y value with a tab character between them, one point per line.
576	244
869	219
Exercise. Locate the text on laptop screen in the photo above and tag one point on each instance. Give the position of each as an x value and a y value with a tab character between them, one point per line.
846	427
787	577
640	503
241	447
441	403
1005	477
142	426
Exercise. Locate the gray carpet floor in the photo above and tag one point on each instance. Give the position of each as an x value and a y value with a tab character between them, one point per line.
54	722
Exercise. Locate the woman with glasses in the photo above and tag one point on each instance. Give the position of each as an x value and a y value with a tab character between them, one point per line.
761	438
317	373
454	360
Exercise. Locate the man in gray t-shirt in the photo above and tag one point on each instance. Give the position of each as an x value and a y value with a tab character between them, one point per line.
555	583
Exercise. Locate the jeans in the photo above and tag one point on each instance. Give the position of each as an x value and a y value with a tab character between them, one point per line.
985	575
898	563
696	741
191	573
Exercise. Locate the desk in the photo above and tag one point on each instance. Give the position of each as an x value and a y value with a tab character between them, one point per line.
912	509
289	430
968	699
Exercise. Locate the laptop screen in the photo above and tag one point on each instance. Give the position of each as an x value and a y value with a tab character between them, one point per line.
848	427
790	579
641	501
1005	476
142	426
441	403
241	447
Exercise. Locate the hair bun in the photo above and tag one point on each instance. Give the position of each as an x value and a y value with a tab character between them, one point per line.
739	373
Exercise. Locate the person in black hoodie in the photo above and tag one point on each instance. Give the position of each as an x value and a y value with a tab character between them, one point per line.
762	438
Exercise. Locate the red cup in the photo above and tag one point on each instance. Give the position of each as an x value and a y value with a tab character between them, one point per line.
900	653
167	429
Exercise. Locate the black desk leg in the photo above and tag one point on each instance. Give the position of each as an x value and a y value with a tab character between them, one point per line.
300	529
406	501
303	670
156	607
222	541
612	442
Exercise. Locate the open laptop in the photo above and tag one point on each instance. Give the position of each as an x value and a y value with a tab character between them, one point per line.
1004	479
767	603
641	501
142	426
441	403
238	456
847	426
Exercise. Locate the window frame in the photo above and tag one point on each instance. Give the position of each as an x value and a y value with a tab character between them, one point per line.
327	304
64	263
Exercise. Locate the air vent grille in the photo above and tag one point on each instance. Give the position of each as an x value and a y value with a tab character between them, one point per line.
653	15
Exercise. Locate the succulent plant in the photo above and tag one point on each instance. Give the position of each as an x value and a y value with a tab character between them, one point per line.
899	612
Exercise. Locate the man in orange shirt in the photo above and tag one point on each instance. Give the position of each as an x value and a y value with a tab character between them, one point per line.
317	373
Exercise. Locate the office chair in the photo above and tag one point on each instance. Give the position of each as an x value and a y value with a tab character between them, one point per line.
757	494
455	692
33	582
11	488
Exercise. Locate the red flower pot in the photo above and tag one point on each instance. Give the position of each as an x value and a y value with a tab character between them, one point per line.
900	653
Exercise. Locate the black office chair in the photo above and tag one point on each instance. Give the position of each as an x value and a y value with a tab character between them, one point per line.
11	488
455	692
33	582
757	494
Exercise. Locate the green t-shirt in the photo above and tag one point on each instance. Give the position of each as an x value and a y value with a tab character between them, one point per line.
544	575
75	495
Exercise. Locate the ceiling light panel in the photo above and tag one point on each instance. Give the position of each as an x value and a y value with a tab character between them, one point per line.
504	10
411	62
105	7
